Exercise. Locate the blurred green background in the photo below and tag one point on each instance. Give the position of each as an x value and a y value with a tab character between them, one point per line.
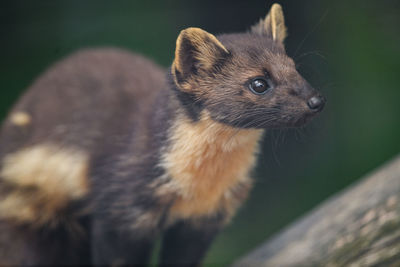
347	49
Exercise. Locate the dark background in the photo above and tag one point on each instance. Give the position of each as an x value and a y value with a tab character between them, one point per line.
347	49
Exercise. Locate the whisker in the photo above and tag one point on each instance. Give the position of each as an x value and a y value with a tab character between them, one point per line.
311	32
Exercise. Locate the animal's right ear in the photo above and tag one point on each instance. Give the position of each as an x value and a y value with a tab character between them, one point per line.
273	25
196	51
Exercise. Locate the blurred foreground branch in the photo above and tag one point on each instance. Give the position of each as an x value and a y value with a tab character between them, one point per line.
358	227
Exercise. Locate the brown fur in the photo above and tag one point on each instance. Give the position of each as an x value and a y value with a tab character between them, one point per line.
212	87
81	111
273	24
196	49
206	161
120	151
205	44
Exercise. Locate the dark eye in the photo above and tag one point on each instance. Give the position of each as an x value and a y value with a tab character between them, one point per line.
259	86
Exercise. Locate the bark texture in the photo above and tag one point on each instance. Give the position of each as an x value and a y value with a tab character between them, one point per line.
357	227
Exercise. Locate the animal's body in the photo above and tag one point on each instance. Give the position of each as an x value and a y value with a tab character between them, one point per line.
105	152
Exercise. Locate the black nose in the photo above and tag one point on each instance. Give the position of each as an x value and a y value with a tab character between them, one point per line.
316	103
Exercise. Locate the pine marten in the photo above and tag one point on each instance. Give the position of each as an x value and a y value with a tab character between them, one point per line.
105	153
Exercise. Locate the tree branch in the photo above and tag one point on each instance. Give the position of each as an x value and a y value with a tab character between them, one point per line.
357	227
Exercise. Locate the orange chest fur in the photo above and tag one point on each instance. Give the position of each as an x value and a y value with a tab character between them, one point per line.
205	162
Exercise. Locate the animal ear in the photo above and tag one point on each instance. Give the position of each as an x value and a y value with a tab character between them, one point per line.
273	25
196	51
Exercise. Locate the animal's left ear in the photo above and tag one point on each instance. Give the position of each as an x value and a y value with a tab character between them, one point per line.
273	25
196	51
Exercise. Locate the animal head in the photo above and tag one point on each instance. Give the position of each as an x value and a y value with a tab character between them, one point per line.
245	80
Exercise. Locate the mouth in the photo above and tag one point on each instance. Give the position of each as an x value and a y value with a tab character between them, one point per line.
303	120
275	121
294	122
